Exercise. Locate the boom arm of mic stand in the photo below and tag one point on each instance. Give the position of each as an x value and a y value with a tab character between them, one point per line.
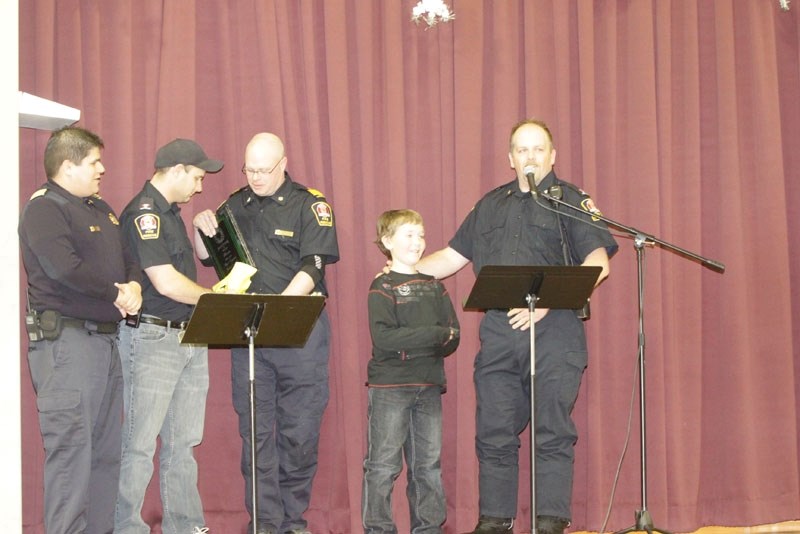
705	262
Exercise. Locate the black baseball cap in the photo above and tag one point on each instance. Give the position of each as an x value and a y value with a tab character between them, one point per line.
185	152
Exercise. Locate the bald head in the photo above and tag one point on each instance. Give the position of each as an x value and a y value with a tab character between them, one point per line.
265	144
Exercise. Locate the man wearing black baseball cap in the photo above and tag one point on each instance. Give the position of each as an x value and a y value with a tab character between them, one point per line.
166	383
185	152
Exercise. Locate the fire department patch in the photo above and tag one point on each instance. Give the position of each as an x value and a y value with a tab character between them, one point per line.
148	225
322	211
588	205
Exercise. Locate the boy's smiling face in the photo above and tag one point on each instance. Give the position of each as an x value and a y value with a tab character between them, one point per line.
406	244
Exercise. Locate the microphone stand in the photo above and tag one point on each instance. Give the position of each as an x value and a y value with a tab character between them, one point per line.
643	521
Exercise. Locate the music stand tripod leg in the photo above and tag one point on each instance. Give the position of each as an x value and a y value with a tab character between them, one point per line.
644	523
531	309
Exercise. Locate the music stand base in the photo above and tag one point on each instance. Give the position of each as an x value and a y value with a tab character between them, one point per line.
644	523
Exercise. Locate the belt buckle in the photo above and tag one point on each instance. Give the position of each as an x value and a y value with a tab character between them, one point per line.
177	325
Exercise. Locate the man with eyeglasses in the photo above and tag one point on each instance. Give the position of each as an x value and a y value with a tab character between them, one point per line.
291	235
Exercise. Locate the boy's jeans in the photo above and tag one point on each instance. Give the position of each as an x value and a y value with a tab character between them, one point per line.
404	421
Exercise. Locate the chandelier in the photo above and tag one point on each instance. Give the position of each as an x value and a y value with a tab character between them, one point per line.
432	12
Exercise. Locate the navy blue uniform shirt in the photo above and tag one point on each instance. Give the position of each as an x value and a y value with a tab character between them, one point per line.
506	227
73	253
281	230
157	234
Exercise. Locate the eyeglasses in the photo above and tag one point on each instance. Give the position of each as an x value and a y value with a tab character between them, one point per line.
254	172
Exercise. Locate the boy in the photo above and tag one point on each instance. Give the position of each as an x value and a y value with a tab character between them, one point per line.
413	327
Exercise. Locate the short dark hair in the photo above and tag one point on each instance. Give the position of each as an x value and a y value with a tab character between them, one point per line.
536	122
390	221
70	143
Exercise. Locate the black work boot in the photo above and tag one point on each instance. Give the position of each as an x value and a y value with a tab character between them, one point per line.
547	524
493	525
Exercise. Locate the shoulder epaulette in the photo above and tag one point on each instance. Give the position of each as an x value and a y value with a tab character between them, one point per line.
316	192
39	193
574	188
238	191
146	203
49	193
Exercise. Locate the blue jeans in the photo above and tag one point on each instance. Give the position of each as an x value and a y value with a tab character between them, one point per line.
165	395
404	421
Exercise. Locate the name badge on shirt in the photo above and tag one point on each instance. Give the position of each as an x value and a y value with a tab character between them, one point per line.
284	233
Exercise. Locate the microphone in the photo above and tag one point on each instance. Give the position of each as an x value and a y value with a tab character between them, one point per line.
529	171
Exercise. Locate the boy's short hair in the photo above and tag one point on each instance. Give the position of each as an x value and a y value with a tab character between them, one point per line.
390	221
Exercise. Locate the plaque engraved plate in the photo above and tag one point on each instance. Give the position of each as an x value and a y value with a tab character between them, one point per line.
227	246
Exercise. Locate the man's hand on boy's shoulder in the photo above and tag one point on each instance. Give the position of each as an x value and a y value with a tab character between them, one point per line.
386	269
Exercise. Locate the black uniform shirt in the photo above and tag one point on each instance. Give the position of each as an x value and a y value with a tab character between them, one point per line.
157	234
507	227
281	230
73	253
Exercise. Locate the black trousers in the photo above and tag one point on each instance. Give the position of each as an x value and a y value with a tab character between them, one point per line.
502	386
78	383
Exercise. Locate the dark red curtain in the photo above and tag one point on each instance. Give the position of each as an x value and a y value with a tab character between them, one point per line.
680	117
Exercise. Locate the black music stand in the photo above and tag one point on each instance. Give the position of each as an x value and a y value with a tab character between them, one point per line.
221	320
546	286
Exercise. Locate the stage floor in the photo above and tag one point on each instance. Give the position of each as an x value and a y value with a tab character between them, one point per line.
789	527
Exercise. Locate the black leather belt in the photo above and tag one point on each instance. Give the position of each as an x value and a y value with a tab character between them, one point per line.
177	325
91	326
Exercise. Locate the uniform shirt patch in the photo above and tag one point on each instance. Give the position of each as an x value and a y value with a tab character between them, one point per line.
148	226
588	205
322	211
